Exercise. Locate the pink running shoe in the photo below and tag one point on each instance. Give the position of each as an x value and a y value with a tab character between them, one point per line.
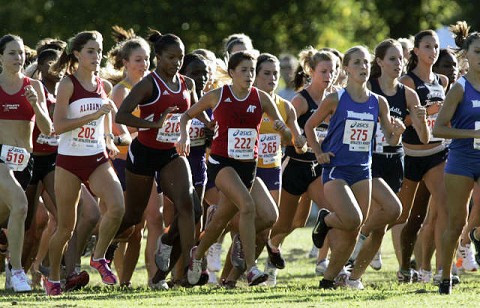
51	288
108	277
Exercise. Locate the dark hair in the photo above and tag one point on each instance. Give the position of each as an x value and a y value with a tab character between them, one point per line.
50	43
380	52
46	55
299	78
238	57
236	39
265	57
189	59
462	35
413	61
7	39
161	42
67	59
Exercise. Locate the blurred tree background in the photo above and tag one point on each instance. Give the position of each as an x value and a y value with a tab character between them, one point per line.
274	25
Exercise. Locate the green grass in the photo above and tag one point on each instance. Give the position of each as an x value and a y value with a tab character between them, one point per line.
297	287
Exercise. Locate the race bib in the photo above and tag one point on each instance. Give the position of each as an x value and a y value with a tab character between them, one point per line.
380	140
476	141
269	148
431	119
197	133
50	140
241	143
15	158
321	133
358	135
170	131
86	137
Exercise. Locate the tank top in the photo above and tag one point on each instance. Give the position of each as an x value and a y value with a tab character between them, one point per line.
429	93
238	125
467	116
88	139
398	109
351	130
165	137
16	106
43	143
321	130
270	141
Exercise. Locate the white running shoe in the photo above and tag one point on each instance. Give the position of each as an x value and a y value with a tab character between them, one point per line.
313	253
214	257
376	263
19	281
321	267
272	273
161	285
424	276
468	262
354	284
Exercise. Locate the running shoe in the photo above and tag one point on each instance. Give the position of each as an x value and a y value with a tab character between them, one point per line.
405	276
476	243
320	230
376	263
445	287
196	268
76	281
160	285
108	277
236	256
272	272
341	279
424	276
321	267
256	276
19	281
437	278
313	252
465	254
327	284
275	257
354	284
214	257
162	255
52	288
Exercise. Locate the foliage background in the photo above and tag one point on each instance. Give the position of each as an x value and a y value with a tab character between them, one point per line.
275	25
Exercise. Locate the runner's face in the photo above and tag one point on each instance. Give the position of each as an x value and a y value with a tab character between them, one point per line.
428	50
171	59
198	71
473	56
13	57
267	78
358	67
392	62
90	56
324	74
244	74
448	66
138	62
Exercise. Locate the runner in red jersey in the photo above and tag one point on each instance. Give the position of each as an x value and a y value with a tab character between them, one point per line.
232	164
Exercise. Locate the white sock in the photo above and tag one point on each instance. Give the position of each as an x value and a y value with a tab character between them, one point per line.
358	246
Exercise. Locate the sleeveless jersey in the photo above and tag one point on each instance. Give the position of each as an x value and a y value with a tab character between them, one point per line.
88	139
270	141
165	137
429	93
312	106
467	116
43	143
351	130
398	109
238	125
16	106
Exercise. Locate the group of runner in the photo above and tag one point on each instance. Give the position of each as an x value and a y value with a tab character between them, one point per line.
200	147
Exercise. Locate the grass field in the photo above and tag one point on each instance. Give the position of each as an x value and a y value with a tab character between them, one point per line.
297	286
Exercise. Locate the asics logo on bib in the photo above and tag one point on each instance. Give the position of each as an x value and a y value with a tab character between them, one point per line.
242	133
359	125
265	137
251	108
